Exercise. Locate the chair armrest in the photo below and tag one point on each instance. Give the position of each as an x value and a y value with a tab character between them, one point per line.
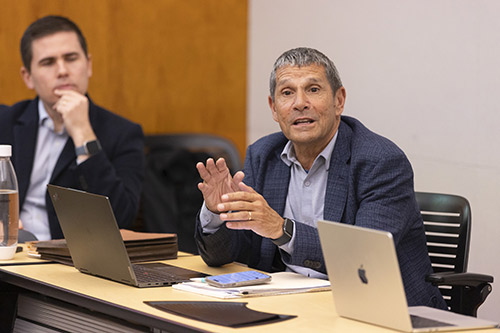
459	279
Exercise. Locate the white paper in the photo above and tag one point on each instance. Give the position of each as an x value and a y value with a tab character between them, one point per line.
281	283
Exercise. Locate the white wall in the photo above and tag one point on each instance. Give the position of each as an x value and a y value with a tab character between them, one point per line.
424	73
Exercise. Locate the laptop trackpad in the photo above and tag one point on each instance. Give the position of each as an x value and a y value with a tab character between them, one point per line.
422	322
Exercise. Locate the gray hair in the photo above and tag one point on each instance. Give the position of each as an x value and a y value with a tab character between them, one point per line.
303	56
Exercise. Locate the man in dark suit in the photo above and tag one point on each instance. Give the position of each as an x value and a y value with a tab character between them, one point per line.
61	137
321	166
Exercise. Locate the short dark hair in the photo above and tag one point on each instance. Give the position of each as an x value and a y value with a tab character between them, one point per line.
303	56
46	26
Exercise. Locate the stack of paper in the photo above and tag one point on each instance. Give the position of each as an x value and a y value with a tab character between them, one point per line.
141	246
281	283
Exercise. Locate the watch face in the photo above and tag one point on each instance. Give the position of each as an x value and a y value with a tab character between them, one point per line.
93	147
288	227
287	233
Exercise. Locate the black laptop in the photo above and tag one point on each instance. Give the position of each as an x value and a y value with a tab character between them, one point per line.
96	245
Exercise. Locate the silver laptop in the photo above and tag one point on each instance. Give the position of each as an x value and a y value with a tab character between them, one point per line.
96	245
366	282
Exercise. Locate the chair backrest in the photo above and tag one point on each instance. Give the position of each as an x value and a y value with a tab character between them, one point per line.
170	199
447	222
213	145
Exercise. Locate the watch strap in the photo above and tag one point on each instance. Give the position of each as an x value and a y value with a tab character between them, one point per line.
89	148
287	233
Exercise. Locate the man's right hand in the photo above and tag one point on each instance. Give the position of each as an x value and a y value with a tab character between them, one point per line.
73	107
217	181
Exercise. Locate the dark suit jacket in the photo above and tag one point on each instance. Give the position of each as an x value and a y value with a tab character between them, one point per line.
370	184
116	171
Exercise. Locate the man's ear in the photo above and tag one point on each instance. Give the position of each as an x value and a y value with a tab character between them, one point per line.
271	105
89	68
340	96
26	76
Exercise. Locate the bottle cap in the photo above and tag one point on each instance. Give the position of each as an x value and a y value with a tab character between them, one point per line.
5	150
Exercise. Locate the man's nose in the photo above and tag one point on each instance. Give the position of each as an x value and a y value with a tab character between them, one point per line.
62	68
301	102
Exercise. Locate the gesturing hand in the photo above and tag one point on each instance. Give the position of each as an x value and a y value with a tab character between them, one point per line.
217	181
247	209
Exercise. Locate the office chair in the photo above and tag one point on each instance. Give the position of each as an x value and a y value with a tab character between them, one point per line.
213	145
171	200
447	222
25	236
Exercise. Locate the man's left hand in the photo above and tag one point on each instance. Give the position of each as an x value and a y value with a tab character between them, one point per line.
248	210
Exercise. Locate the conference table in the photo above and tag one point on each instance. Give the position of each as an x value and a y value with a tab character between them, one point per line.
44	286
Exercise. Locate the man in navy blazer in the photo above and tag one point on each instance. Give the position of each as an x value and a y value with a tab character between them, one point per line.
321	166
61	137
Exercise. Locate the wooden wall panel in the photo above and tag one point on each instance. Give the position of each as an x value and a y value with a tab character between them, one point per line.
170	65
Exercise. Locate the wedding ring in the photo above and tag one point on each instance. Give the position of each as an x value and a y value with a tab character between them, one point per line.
249	216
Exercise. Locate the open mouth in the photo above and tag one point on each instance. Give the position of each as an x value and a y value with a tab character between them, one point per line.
303	121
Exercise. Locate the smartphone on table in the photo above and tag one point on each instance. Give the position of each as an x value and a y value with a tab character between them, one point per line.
239	279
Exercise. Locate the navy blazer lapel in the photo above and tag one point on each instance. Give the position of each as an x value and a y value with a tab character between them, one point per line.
25	134
67	156
337	187
276	183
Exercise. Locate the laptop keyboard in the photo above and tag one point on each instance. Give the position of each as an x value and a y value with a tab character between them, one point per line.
145	274
421	322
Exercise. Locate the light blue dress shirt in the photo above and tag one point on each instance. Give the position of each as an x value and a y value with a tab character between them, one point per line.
49	146
305	201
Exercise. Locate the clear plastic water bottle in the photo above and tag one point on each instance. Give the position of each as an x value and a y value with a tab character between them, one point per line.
9	205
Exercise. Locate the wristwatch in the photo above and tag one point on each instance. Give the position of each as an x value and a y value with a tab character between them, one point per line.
89	148
287	233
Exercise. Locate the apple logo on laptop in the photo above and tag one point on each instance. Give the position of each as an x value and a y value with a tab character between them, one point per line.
362	275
